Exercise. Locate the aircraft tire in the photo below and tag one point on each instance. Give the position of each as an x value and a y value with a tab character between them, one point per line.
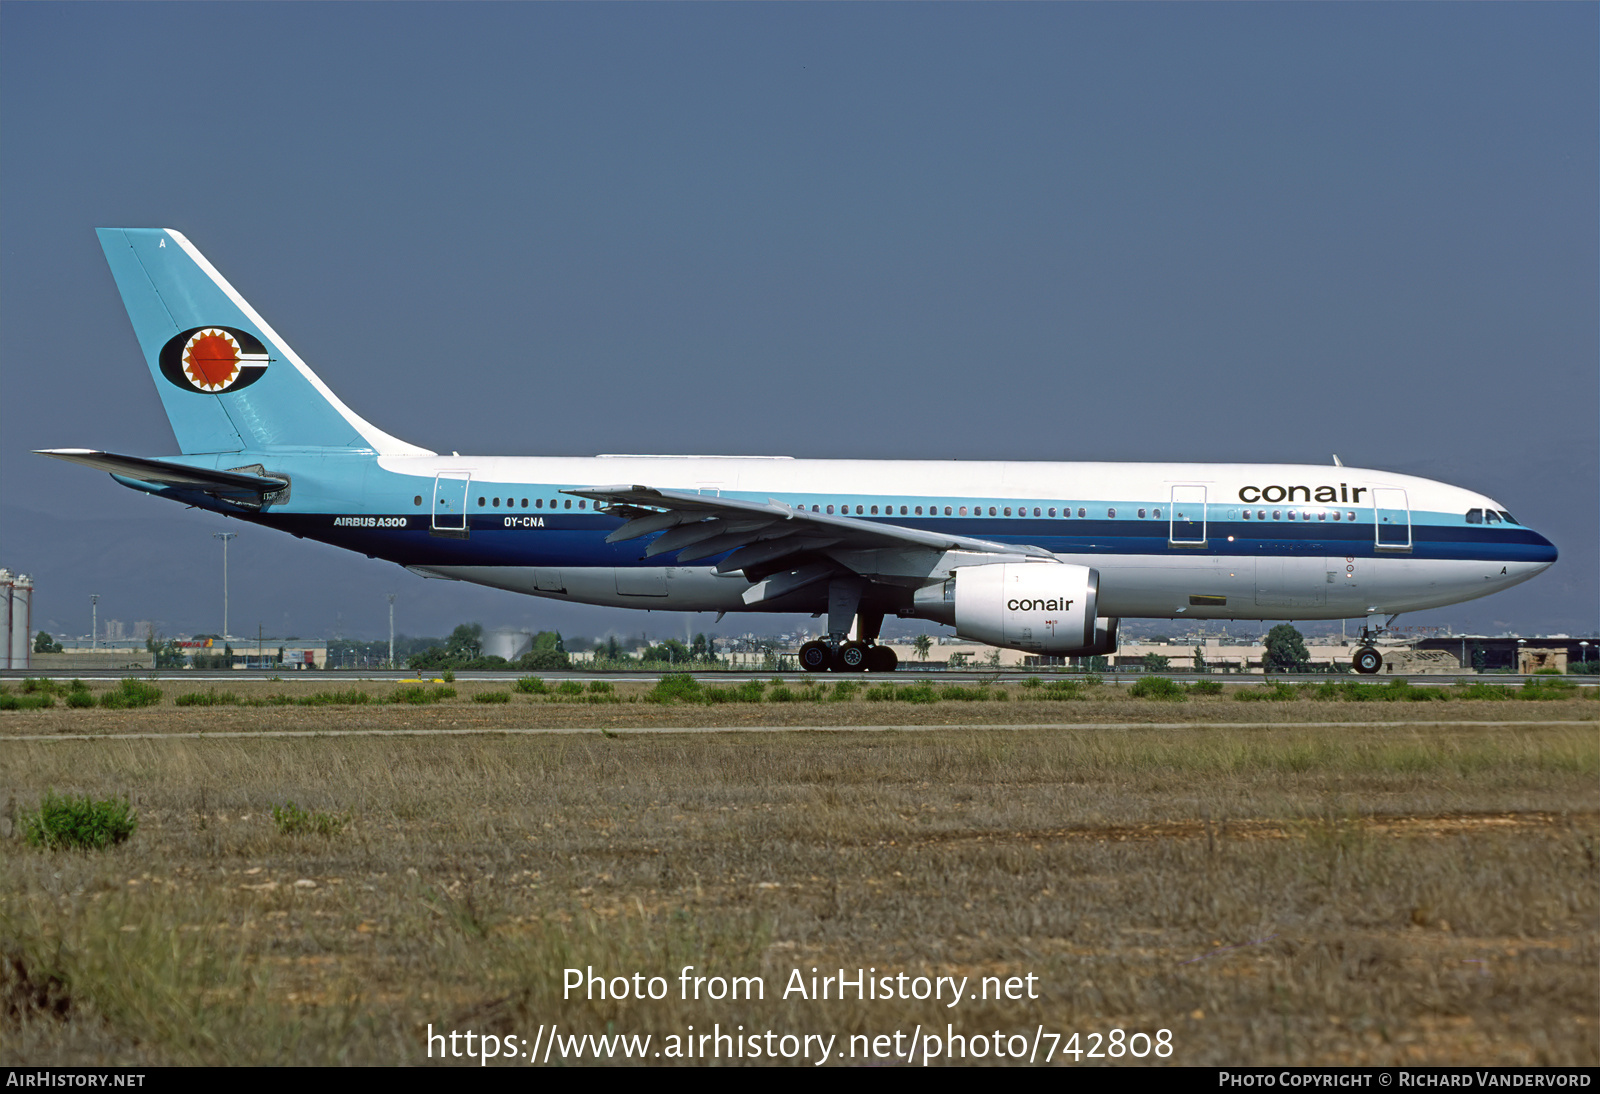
852	657
1367	660
881	659
816	657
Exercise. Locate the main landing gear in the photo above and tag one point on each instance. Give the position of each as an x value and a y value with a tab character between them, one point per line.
819	656
837	654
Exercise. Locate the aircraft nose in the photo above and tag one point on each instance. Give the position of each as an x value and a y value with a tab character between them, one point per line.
1543	552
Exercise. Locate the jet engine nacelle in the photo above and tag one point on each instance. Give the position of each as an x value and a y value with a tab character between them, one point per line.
1041	608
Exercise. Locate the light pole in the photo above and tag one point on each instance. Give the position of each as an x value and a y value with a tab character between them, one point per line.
224	537
94	622
391	630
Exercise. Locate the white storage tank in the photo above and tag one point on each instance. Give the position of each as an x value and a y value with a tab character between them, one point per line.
21	621
5	618
508	644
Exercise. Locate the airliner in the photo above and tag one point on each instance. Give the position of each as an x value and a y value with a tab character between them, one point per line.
1040	557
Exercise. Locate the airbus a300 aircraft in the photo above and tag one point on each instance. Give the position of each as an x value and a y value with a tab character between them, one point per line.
1042	557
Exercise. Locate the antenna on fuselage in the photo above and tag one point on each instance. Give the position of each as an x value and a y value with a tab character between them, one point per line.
1337	462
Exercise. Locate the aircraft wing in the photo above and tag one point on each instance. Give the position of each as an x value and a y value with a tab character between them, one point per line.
240	486
767	538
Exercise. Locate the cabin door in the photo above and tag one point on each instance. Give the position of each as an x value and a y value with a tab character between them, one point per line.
450	504
1391	519
1187	527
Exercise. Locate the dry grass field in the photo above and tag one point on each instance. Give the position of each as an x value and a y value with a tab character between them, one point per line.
1268	892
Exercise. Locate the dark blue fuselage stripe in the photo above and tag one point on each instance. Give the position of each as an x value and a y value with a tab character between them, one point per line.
576	539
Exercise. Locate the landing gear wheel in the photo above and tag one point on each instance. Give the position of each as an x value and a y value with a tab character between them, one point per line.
816	657
881	659
852	657
1367	660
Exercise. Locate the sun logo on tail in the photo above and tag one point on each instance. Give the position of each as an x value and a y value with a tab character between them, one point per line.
214	360
211	359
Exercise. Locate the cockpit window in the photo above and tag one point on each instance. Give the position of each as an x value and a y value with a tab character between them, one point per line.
1491	516
1509	518
1474	516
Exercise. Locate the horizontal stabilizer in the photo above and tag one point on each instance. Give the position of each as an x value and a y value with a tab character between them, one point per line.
237	486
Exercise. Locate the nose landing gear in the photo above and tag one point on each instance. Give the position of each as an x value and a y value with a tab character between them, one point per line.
1367	659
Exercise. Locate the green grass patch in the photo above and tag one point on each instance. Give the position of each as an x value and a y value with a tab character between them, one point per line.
211	698
294	821
9	701
1055	689
532	685
131	693
1157	687
492	697
750	691
675	687
1206	687
1270	693
844	691
79	823
420	695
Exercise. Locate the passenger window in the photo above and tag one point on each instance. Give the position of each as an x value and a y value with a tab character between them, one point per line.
991	510
1157	514
1350	514
538	503
1277	514
497	503
858	511
1474	516
830	510
1247	514
1052	511
569	503
1291	514
480	503
1336	514
814	509
874	510
418	500
1141	514
581	504
1322	514
903	510
1036	511
919	510
1008	510
1112	513
947	510
1082	512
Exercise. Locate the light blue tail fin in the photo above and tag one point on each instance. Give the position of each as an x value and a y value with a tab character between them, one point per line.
227	381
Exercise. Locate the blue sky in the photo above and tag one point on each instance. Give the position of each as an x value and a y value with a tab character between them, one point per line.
1126	232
